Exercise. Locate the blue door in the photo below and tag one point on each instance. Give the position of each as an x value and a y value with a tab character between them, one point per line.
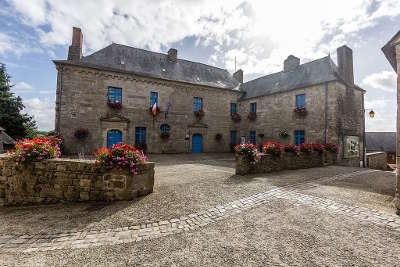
197	143
113	137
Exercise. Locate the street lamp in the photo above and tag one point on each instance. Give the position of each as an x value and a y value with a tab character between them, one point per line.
371	115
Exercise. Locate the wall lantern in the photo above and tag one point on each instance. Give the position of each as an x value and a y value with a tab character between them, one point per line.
371	113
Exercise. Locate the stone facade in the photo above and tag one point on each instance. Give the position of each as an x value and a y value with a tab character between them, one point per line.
287	161
56	180
334	106
377	160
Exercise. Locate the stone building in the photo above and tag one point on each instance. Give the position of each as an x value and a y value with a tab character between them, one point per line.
201	108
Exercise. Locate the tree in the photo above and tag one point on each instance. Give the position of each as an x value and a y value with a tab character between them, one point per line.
16	124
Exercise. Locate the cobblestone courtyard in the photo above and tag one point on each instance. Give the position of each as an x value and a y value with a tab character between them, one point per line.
202	214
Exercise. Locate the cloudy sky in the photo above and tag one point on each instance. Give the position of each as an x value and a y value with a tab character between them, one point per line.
260	34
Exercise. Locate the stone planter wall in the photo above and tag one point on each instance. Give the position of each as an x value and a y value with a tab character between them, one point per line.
287	161
69	180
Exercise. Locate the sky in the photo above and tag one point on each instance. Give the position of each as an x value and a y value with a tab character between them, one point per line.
260	34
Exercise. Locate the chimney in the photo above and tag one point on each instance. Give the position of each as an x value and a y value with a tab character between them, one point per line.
238	75
291	63
75	49
172	54
345	64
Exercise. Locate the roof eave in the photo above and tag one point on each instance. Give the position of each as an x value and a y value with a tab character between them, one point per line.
389	50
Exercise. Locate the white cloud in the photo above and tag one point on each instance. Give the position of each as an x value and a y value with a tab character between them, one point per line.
42	110
385	115
22	87
16	46
384	80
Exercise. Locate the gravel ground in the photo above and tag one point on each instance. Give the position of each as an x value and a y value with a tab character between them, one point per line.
276	233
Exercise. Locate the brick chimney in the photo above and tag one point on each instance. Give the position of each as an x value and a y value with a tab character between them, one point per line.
238	75
172	55
291	63
345	64
75	49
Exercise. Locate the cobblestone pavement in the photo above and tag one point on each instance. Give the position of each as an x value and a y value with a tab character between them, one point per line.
136	233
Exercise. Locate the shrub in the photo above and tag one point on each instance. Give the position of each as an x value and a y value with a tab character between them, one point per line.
218	136
81	133
249	151
319	148
236	117
291	148
272	148
37	149
284	134
120	156
199	114
252	116
306	148
331	148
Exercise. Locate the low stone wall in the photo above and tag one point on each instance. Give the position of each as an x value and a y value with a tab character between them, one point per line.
287	161
56	180
377	160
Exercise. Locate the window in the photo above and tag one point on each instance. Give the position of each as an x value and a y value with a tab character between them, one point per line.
233	108
197	103
253	107
253	137
140	135
233	137
114	95
114	137
153	98
300	101
164	128
298	137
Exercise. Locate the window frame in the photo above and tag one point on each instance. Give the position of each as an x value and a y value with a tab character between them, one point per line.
234	142
165	128
253	107
301	101
233	108
151	98
251	135
114	94
298	136
197	106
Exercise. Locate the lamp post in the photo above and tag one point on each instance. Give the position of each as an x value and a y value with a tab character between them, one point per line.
371	114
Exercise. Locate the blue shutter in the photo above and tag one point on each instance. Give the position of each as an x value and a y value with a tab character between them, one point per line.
253	107
197	104
113	137
298	137
233	108
233	137
114	95
140	135
153	98
164	128
300	101
253	137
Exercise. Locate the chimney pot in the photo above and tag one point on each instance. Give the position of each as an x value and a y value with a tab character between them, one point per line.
238	75
75	49
345	64
172	55
290	63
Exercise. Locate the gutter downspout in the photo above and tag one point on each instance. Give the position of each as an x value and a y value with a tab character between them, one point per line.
326	115
364	139
59	101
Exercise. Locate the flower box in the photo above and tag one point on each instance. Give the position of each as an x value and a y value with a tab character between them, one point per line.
300	110
236	117
272	148
252	116
164	135
199	114
37	149
114	105
248	152
333	148
218	137
291	149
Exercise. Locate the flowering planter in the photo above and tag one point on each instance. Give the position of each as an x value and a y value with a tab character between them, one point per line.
252	116
73	180
236	117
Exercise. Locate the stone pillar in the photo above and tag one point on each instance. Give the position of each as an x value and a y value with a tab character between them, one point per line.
397	197
1	140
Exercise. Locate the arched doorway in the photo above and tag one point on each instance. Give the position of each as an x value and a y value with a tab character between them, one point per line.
197	143
113	137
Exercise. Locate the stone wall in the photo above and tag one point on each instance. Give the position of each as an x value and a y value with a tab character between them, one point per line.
83	103
56	180
377	160
287	161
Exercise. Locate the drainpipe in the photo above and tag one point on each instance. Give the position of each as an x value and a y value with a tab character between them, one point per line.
59	101
364	139
326	114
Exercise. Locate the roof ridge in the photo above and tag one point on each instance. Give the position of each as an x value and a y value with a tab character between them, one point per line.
283	71
163	54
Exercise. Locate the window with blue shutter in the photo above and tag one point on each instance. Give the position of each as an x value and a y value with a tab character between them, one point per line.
164	128
153	98
253	107
233	109
300	101
253	137
233	138
298	137
140	135
114	94
197	104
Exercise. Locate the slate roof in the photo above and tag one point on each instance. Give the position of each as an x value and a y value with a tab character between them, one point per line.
389	50
117	57
381	141
311	73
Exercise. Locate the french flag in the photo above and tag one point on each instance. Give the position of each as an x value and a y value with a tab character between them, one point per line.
154	109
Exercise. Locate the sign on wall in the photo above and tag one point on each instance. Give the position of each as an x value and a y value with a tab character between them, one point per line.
351	146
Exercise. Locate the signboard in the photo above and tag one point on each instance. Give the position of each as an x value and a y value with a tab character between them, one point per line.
243	139
351	146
